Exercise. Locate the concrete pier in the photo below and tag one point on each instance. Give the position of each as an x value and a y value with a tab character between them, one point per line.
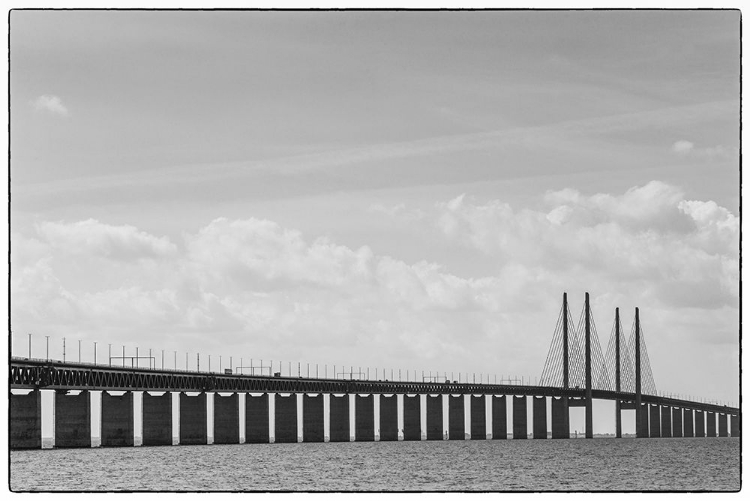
286	418
364	422
654	421
677	422
642	427
700	424
412	419
710	424
666	421
723	431
312	418
256	419
435	417
735	425
519	417
499	418
456	430
539	416
478	417
118	420
687	423
157	419
388	418
193	424
340	418
559	423
26	420
618	419
227	419
72	419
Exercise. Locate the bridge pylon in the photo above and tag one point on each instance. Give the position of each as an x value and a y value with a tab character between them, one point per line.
639	411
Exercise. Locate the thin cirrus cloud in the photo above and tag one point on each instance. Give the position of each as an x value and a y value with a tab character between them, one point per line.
50	104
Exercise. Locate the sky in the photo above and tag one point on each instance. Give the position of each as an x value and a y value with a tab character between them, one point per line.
392	190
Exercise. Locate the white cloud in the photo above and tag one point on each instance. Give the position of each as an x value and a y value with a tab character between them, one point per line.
648	234
682	147
92	237
51	104
711	153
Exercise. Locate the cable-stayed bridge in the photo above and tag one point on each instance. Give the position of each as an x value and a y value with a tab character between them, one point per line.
273	408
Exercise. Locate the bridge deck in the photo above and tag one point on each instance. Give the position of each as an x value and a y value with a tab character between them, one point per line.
44	374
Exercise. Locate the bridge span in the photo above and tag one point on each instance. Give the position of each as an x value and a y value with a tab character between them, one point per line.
404	402
291	409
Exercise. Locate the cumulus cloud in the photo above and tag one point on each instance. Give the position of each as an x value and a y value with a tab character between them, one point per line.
647	233
122	242
50	104
235	280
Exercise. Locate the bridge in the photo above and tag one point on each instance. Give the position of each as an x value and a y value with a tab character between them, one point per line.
273	408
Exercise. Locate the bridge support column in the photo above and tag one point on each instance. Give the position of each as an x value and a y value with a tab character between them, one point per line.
519	417
312	418
710	424
560	427
478	417
499	418
435	417
666	421
676	422
256	419
26	420
687	427
642	430
654	421
227	419
735	420
618	419
340	418
412	418
285	419
539	407
193	421
72	419
723	425
364	412
118	420
700	424
456	429
157	419
388	418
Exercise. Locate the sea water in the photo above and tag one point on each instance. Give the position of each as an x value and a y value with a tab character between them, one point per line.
600	464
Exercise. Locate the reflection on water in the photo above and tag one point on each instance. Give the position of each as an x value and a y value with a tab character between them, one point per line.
500	465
